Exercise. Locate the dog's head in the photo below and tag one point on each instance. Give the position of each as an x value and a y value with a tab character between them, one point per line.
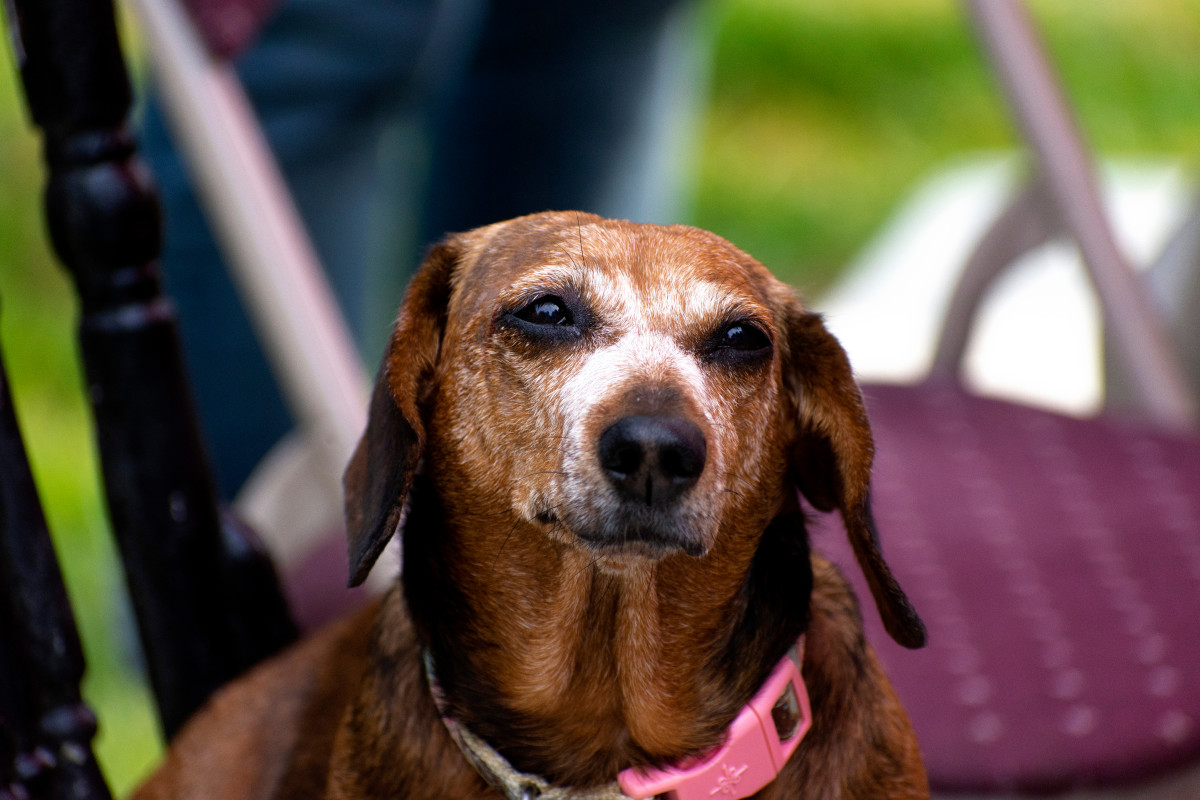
637	391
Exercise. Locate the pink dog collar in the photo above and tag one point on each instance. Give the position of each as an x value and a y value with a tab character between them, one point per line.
759	741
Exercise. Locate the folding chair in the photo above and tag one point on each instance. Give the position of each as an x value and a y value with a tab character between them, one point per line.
1056	560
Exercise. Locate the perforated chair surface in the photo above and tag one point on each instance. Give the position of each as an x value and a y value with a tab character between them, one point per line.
1056	562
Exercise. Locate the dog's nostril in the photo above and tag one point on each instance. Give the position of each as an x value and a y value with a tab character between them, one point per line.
683	462
652	460
624	458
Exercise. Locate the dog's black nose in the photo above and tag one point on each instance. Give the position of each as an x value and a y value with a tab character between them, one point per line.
652	460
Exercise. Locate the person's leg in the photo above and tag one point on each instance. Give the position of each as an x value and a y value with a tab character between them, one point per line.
323	78
570	106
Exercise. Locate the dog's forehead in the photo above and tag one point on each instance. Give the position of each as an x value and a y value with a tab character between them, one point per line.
644	275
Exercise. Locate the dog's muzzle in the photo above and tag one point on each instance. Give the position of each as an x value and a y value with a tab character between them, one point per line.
650	465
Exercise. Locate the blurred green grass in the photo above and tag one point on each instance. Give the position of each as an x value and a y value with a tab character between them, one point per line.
821	116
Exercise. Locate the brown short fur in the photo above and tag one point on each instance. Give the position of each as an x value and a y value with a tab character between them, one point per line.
575	641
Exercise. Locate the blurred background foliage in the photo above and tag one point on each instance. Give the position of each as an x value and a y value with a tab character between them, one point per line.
822	115
819	117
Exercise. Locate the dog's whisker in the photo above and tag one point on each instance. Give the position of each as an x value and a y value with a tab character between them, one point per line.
579	235
570	257
559	473
500	552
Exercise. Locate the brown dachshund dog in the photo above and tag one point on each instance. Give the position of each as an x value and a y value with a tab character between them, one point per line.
591	434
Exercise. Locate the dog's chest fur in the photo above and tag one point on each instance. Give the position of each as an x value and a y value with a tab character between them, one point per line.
362	724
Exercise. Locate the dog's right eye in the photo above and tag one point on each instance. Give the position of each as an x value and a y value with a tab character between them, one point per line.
546	310
547	319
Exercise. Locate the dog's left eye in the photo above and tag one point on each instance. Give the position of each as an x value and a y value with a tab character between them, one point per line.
743	336
546	310
740	342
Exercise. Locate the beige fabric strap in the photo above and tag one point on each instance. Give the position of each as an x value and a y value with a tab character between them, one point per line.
495	769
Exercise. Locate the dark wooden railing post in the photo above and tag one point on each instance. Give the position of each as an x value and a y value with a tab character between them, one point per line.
103	215
45	728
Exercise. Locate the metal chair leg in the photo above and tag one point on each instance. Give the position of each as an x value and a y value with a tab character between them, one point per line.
1045	119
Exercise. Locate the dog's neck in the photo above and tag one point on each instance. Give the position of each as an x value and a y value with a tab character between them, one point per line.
574	670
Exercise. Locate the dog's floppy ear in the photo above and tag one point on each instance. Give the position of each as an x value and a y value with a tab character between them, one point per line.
831	457
381	470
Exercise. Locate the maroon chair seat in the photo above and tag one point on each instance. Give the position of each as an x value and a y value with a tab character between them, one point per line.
1056	562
